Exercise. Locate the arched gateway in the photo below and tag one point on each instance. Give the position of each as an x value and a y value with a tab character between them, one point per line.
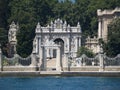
59	32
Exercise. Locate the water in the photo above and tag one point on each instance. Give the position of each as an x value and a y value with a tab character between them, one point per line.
59	83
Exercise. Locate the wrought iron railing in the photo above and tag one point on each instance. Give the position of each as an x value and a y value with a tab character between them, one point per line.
16	60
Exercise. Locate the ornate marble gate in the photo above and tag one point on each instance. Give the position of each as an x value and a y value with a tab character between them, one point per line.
57	31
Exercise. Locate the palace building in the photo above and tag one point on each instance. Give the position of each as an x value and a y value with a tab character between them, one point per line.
55	47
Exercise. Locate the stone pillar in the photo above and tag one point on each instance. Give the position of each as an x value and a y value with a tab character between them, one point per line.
51	53
44	62
48	53
105	32
39	49
37	45
99	29
0	60
69	44
33	61
58	60
101	62
66	60
93	63
79	41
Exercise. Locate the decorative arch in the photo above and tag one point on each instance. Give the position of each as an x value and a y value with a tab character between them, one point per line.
60	42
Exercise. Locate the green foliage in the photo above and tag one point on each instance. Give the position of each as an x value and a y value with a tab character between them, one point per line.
84	50
112	47
5	62
3	40
23	13
3	24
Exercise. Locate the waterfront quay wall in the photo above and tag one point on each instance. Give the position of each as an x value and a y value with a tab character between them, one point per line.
73	71
19	68
60	73
65	69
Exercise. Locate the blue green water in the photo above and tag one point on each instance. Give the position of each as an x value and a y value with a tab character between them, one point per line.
59	83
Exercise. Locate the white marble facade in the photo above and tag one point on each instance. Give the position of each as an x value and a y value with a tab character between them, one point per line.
104	19
59	32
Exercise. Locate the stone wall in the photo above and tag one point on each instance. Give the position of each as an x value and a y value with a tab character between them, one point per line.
19	68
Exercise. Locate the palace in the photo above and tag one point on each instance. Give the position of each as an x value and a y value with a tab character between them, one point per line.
55	48
60	33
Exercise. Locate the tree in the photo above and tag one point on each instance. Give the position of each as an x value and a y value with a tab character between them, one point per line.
4	13
22	11
112	47
84	50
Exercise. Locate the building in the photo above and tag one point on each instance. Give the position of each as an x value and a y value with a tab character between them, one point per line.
104	19
92	44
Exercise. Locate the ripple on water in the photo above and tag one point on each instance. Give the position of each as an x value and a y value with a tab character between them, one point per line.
59	83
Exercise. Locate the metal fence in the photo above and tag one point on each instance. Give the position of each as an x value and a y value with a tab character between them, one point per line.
112	61
16	60
107	61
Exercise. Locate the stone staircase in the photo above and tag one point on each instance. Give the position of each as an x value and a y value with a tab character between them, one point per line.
51	62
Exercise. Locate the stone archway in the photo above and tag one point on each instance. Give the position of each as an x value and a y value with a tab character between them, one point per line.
57	31
51	45
60	42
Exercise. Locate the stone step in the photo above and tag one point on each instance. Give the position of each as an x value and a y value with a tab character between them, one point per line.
51	62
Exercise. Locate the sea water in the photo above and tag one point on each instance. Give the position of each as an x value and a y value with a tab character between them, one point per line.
59	83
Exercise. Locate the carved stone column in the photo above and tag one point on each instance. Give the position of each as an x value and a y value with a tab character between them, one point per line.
105	31
39	49
66	60
51	53
48	53
99	28
101	62
79	41
44	62
37	45
58	60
